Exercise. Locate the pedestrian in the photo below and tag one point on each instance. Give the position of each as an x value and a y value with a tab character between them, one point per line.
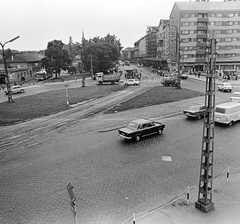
62	79
199	74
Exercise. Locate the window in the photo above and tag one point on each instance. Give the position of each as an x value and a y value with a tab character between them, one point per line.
202	32
230	23
185	15
185	24
230	15
218	23
202	15
228	39
219	15
211	23
185	32
220	110
201	40
228	31
211	14
201	24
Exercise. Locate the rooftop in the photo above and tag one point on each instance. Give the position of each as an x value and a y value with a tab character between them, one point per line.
208	6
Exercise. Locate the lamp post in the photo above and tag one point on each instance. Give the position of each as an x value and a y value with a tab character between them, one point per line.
178	61
10	100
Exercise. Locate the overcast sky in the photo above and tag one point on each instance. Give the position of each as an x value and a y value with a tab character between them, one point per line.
39	21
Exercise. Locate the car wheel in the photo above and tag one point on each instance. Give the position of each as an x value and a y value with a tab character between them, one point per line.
160	131
137	138
21	91
231	123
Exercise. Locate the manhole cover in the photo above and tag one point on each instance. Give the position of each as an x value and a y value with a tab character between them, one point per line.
167	158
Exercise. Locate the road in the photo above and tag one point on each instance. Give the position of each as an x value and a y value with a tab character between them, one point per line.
112	178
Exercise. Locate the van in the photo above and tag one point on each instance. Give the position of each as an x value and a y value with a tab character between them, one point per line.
227	113
235	97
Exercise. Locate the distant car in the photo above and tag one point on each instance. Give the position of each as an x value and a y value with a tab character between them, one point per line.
195	111
132	82
15	89
183	76
169	81
235	97
225	86
139	128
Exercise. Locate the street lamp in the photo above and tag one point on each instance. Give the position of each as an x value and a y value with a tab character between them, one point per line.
178	57
178	61
10	100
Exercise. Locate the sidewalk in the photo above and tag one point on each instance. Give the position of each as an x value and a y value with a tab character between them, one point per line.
203	79
226	199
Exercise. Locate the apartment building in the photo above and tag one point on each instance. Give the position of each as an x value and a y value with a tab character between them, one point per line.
189	25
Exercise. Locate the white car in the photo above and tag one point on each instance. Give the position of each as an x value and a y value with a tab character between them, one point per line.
235	97
15	89
132	82
225	86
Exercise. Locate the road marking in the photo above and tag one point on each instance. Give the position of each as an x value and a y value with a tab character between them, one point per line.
167	158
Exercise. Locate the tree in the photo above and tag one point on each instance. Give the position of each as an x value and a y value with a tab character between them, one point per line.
101	53
56	58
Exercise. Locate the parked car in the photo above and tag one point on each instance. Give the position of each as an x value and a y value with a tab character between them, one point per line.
235	97
15	89
195	111
225	86
132	82
139	128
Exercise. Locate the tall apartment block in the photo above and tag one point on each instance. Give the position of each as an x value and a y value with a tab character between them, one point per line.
189	26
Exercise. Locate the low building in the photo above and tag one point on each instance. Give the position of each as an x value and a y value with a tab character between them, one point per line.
21	66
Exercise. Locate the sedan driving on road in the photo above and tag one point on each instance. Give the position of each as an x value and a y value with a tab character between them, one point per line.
195	111
225	86
15	89
139	128
132	82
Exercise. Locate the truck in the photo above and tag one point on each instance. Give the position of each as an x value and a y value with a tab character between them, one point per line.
42	75
111	77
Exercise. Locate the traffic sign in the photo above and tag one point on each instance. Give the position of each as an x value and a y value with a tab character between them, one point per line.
71	193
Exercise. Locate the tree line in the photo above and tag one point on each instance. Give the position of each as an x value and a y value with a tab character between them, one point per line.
98	53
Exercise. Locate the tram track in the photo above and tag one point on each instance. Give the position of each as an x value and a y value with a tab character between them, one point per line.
31	133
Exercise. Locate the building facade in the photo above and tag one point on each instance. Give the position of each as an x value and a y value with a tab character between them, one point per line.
190	23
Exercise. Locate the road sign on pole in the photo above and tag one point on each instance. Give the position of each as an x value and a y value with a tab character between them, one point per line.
72	202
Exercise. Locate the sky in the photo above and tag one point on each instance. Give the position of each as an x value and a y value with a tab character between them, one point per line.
39	21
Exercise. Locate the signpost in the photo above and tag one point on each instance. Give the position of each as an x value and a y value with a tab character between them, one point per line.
72	201
66	85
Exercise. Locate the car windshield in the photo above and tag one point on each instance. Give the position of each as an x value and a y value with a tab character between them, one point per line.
195	107
227	84
236	94
132	125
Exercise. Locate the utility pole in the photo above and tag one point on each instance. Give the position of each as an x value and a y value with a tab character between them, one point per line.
178	61
10	100
91	67
204	202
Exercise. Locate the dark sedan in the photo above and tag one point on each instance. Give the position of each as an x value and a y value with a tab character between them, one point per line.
196	111
139	128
